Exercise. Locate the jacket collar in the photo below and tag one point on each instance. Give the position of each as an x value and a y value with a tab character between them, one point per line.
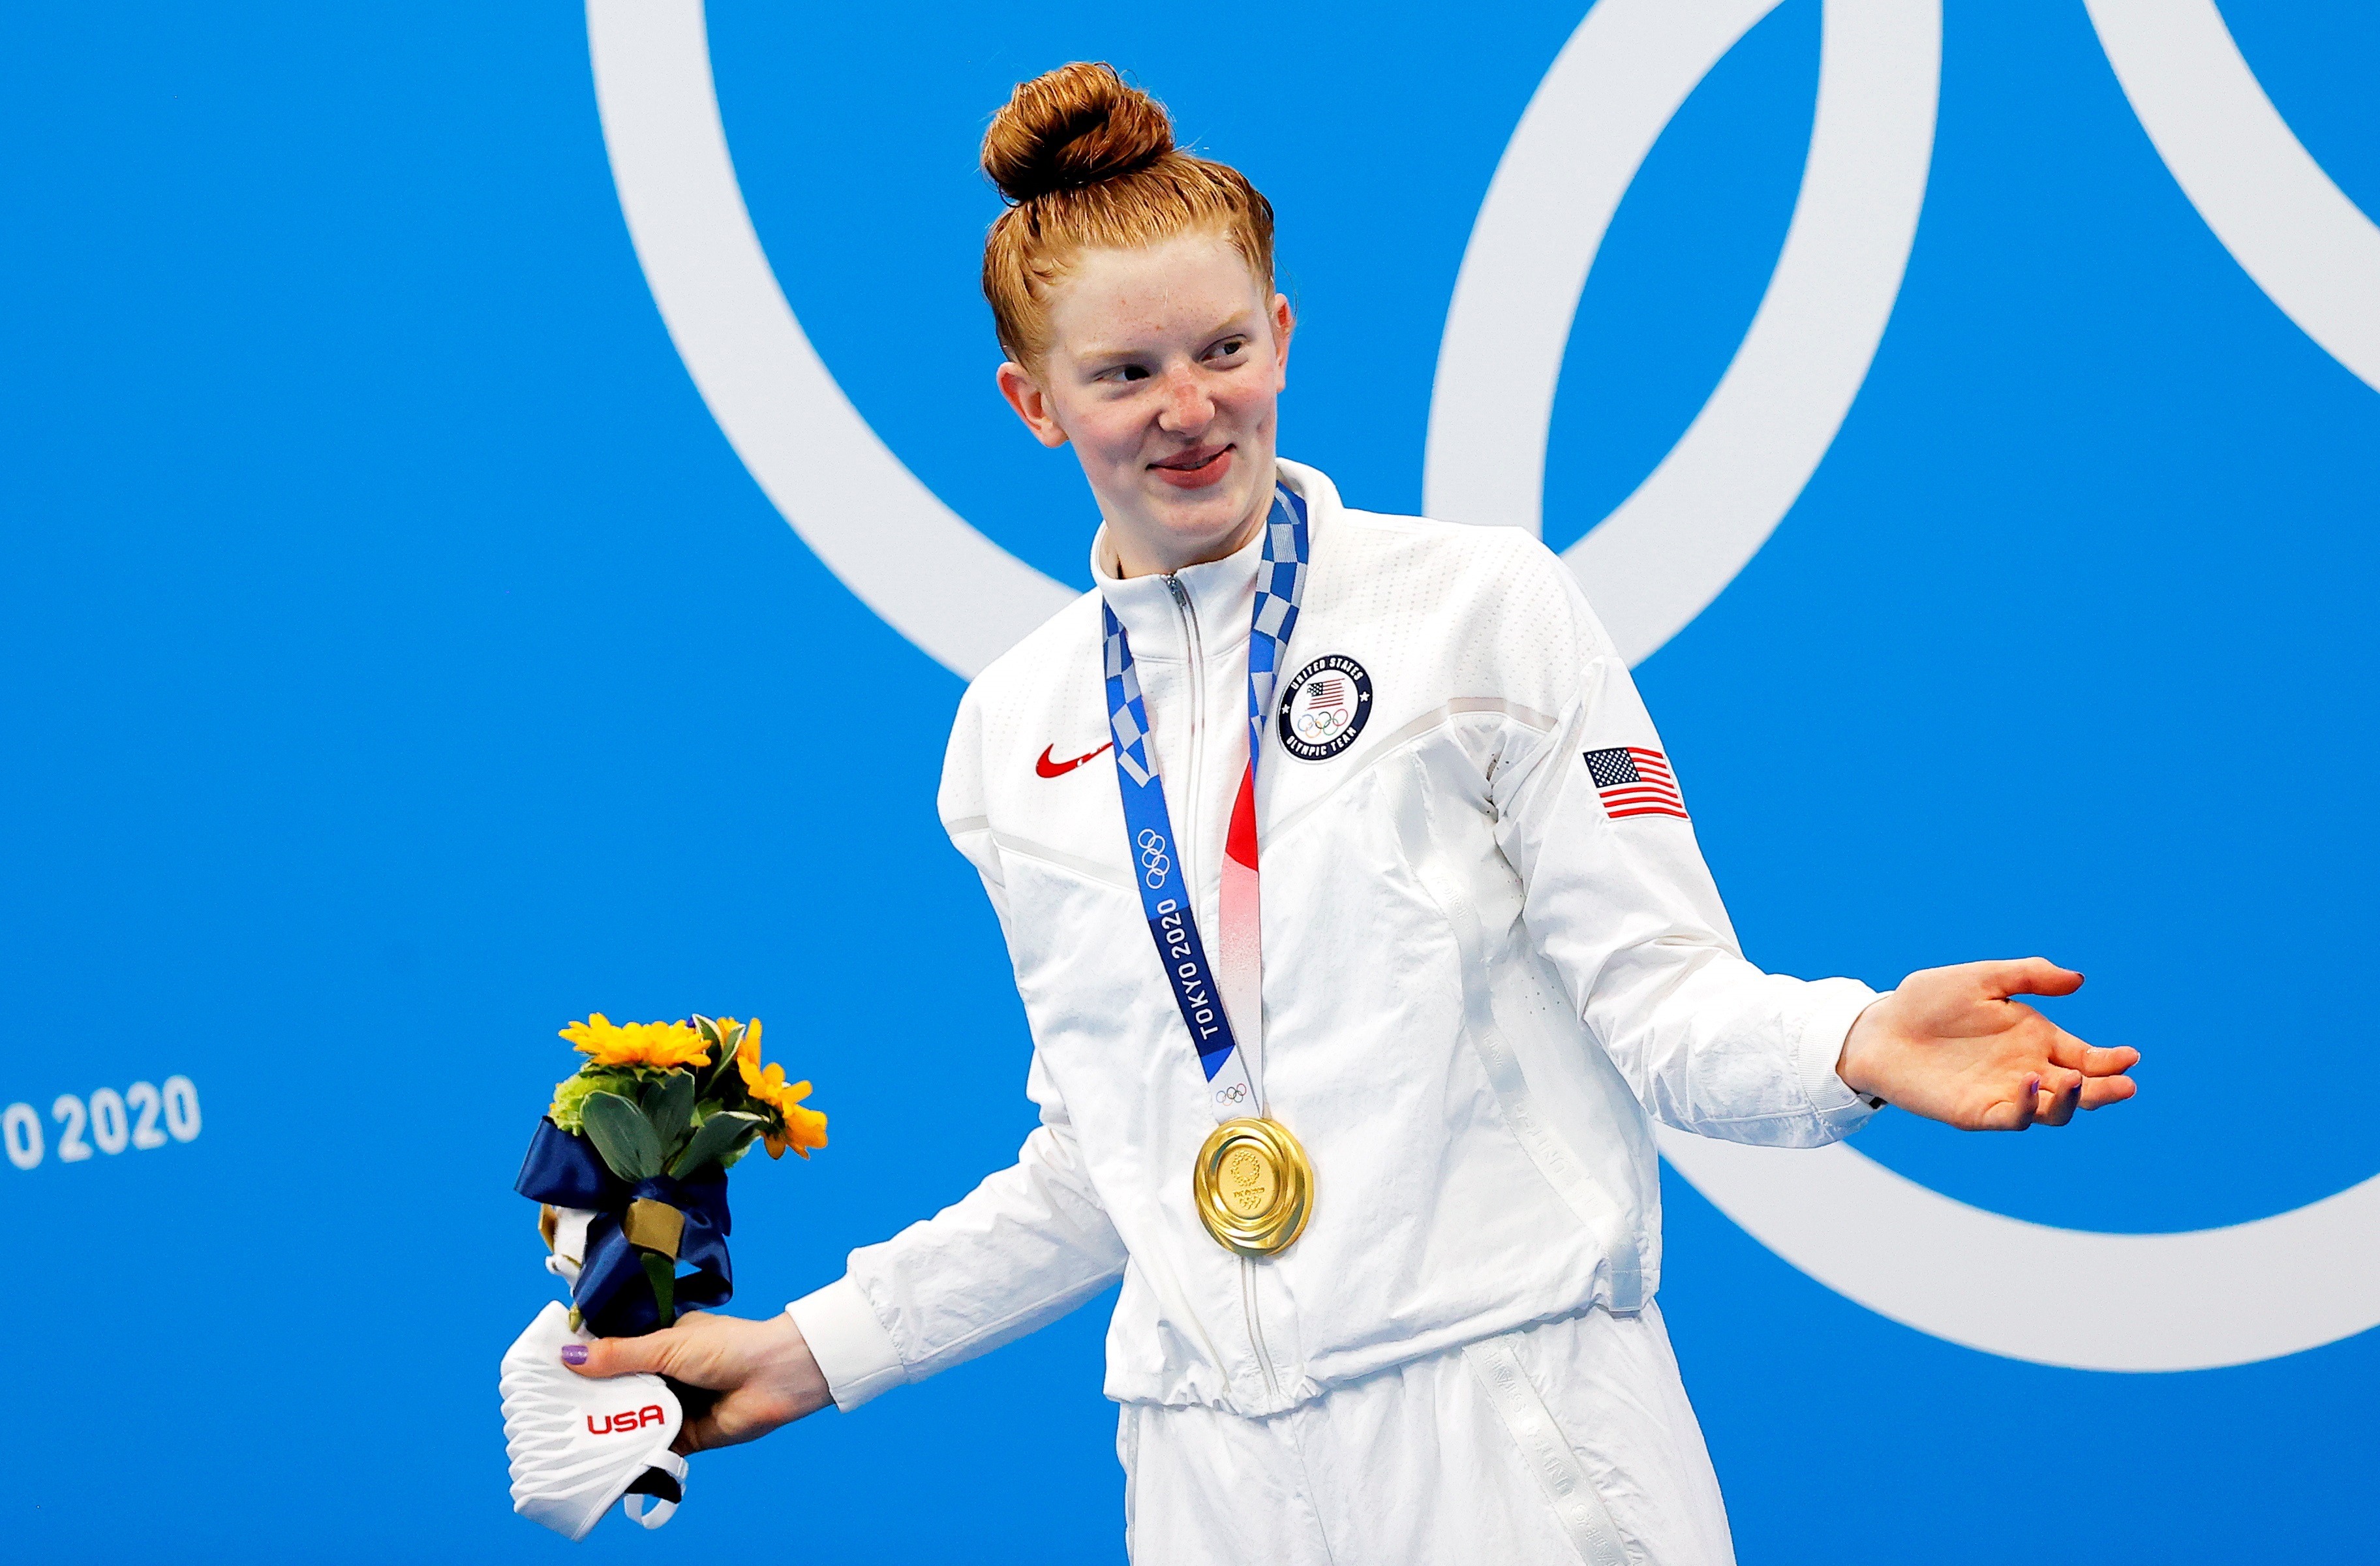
1222	594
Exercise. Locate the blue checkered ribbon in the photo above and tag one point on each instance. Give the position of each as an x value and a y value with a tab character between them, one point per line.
1281	585
1164	893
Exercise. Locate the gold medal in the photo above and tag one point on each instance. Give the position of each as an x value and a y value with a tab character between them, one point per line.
1254	1186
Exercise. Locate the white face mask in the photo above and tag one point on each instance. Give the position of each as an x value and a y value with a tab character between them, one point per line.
577	1443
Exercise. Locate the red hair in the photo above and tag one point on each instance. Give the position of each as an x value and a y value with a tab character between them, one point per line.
1087	162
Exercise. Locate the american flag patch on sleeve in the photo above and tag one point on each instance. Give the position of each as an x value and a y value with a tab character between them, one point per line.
1635	781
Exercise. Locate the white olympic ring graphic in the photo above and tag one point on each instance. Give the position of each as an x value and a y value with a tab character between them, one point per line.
1156	863
1233	1094
2058	1296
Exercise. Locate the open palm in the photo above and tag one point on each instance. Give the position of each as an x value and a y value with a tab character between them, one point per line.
1950	1045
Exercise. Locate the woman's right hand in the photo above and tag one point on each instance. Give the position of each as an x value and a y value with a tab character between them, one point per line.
764	1372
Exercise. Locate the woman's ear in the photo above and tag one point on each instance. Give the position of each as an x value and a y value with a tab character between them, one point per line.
1031	403
1284	323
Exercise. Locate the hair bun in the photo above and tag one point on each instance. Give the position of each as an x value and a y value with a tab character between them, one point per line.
1073	127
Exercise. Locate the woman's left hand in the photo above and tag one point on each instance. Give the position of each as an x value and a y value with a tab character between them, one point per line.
1950	1045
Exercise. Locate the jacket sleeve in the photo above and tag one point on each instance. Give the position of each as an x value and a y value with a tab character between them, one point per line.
1022	1249
1618	899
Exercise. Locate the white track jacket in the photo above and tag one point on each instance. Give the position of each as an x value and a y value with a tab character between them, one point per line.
1480	980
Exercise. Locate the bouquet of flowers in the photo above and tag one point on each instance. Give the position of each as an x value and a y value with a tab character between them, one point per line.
631	1162
629	1170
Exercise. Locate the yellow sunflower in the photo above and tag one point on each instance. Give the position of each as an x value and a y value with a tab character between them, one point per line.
661	1045
798	1128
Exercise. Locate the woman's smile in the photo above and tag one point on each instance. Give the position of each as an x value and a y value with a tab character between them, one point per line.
1196	469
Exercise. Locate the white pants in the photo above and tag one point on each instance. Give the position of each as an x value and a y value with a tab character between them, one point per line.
1567	1441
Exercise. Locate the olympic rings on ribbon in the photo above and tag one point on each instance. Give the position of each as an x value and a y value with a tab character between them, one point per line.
1156	863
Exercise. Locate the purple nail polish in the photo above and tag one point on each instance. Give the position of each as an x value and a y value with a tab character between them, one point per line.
574	1353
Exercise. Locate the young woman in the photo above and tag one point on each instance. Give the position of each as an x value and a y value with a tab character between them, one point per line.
1363	933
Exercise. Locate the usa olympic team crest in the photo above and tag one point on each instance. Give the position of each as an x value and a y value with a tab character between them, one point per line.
1325	707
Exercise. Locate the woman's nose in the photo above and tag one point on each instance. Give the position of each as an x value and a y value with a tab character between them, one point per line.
1187	408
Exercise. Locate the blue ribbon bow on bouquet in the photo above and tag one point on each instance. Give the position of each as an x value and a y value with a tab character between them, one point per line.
627	1285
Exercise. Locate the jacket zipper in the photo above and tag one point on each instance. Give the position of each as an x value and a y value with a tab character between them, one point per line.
1256	1326
1196	645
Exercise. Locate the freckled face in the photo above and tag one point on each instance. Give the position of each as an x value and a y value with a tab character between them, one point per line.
1164	372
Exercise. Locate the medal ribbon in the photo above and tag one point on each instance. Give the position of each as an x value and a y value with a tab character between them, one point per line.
1207	1003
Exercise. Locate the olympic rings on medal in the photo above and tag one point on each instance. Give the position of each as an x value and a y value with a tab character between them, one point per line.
1156	863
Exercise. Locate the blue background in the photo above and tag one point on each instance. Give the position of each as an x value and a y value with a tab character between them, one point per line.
396	663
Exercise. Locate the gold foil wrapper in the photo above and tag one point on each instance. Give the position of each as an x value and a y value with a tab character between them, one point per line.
653	1226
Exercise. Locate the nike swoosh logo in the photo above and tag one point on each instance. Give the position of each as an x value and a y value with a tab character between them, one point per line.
1050	768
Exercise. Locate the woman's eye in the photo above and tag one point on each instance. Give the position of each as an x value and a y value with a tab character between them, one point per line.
1127	372
1227	347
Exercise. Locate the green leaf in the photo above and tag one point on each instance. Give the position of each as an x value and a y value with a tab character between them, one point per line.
622	1134
662	1273
669	1104
723	1075
716	1139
